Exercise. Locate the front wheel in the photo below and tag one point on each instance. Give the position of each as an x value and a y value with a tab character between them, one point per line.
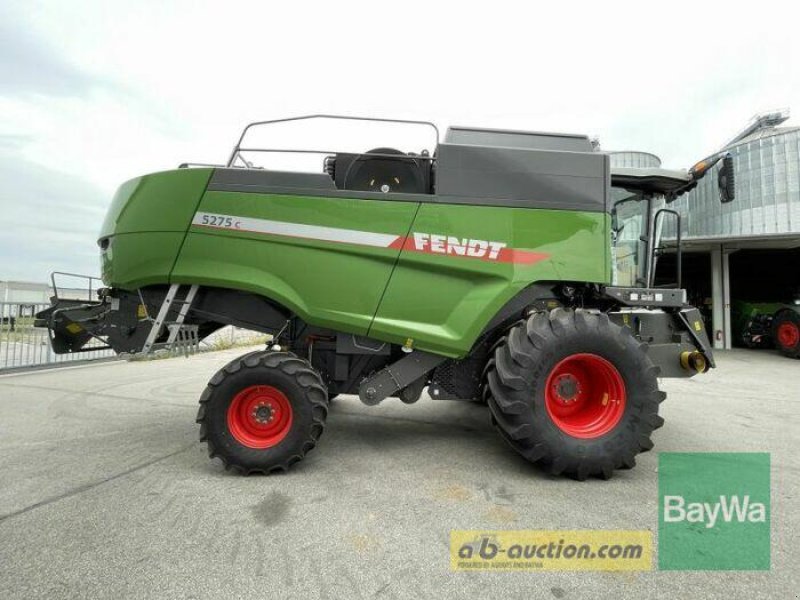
263	412
575	392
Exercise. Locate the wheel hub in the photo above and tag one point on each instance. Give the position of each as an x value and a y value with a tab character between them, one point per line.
260	416
566	388
263	413
585	396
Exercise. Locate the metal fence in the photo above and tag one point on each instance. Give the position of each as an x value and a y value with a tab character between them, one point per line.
23	345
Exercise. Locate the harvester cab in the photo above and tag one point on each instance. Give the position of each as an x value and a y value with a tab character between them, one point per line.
640	199
512	268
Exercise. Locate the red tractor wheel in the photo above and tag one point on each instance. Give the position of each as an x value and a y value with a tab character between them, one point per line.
263	412
575	392
786	332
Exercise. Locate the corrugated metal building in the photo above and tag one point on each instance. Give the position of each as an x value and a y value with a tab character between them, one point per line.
767	165
634	159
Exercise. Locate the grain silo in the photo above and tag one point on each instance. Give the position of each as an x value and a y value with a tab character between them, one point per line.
634	159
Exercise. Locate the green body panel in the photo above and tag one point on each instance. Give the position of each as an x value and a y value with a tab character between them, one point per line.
442	303
133	260
326	283
164	201
147	221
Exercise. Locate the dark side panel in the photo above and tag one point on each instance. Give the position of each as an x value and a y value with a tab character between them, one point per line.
522	177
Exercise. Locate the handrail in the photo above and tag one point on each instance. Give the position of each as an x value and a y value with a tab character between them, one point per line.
370	154
238	147
75	275
678	256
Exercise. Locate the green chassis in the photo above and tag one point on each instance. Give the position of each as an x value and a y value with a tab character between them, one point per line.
414	272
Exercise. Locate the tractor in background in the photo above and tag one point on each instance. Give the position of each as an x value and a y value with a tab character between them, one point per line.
768	325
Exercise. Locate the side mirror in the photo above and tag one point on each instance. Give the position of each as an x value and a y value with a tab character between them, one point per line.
726	180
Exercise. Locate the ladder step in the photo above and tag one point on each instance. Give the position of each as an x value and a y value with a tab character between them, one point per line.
175	326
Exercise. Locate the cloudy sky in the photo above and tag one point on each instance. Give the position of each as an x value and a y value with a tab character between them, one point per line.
92	94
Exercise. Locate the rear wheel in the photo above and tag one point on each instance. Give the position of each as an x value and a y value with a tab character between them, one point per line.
263	412
575	392
786	333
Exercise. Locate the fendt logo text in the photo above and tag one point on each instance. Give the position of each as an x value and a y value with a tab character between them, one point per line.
444	244
729	509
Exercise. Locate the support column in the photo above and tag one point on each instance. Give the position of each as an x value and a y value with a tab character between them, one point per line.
720	298
726	299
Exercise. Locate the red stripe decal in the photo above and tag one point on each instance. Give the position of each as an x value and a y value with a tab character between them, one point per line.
427	243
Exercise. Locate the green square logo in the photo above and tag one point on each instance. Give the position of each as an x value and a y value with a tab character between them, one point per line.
714	511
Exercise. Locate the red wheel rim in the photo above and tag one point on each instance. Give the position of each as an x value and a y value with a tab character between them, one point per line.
260	416
788	335
585	396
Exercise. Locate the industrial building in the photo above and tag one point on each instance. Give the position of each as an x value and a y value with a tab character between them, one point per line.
24	292
19	297
748	249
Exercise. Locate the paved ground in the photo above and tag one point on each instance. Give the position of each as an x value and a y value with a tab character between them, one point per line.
105	492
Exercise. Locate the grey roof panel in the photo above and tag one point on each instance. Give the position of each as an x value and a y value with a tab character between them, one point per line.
235	179
650	179
509	138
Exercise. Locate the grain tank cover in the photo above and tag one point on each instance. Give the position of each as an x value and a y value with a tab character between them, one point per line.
507	138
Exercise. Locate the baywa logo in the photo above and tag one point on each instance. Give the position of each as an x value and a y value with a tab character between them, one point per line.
714	511
729	508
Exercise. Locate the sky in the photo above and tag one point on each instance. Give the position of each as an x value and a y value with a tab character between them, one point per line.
95	93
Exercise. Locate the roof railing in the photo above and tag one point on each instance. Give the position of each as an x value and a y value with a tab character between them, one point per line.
238	147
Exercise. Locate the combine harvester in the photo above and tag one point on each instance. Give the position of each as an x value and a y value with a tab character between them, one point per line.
511	267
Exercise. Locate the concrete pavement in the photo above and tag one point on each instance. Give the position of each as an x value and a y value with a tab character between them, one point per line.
106	493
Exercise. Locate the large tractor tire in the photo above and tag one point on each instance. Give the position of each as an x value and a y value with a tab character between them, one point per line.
574	392
263	412
786	333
